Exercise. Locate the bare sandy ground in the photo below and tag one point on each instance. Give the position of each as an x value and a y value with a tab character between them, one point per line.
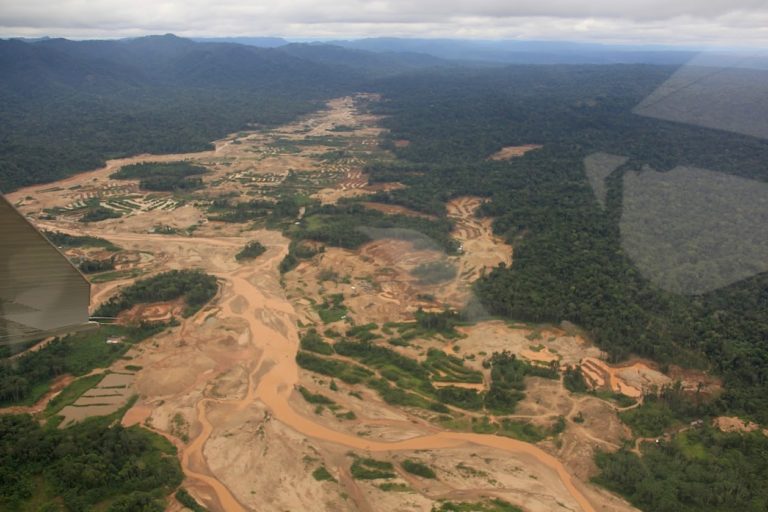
510	152
632	380
481	249
528	342
734	424
222	385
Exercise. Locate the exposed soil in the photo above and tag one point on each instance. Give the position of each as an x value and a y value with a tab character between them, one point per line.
632	379
510	152
734	424
154	312
528	342
481	249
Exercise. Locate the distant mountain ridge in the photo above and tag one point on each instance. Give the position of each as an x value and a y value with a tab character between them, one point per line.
170	60
264	42
525	52
497	52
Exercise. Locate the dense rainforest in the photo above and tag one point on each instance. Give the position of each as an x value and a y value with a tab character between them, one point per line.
94	465
569	263
703	469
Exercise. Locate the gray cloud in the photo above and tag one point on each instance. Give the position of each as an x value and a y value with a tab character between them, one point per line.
730	22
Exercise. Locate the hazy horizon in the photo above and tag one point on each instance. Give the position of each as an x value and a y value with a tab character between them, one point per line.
740	23
480	42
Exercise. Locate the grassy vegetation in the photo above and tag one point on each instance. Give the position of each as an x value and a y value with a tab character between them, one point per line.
322	475
180	427
418	468
397	396
407	382
522	430
493	505
448	368
363	332
297	251
313	342
427	325
349	415
343	128
285	146
186	499
468	399
332	309
114	276
351	374
162	229
99	213
515	429
406	372
222	210
315	398
507	384
94	266
364	468
394	487
65	240
252	249
273	214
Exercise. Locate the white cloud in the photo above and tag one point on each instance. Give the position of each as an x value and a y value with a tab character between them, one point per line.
731	22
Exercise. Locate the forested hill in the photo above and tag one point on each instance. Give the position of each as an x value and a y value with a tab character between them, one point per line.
68	106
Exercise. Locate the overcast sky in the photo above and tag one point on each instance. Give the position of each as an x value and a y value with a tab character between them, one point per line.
721	22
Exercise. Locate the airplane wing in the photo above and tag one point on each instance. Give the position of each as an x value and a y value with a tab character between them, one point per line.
41	292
